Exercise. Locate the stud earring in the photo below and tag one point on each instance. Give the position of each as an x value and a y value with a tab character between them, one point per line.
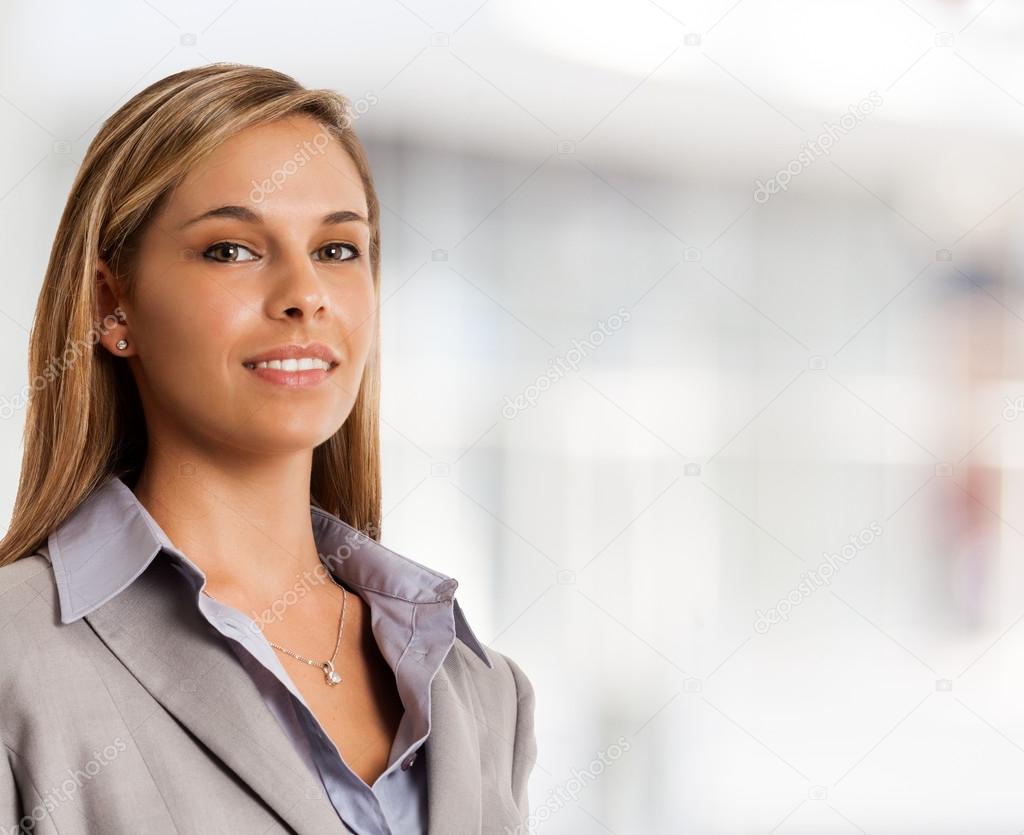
122	344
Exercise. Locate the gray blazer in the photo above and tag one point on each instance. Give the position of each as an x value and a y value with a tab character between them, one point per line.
133	719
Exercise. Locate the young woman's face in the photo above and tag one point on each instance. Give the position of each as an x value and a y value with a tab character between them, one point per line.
218	289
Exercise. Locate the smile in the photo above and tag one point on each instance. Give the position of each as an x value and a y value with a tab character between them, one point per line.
293	371
297	364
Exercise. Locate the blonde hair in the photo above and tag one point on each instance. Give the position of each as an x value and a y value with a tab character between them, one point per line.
84	421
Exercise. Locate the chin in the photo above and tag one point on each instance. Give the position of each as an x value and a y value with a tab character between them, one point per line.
282	438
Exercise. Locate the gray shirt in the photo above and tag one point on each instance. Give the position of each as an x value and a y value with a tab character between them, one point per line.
111	538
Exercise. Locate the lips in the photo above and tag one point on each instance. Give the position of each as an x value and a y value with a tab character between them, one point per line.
294	366
294	351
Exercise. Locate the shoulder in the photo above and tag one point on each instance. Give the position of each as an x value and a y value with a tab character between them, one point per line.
520	690
25	583
503	689
506	699
28	603
31	632
523	685
20	573
515	679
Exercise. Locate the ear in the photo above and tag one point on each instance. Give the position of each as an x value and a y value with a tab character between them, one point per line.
109	314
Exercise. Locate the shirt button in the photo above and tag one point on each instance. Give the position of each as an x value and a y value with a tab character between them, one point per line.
408	761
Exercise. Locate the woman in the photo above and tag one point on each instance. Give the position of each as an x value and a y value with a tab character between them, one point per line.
201	632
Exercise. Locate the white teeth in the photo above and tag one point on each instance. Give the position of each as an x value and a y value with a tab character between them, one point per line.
300	364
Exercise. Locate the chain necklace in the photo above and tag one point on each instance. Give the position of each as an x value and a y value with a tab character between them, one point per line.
331	676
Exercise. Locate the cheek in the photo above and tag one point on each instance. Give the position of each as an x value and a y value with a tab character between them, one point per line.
189	329
356	308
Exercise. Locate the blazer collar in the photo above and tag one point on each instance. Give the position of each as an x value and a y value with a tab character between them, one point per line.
110	540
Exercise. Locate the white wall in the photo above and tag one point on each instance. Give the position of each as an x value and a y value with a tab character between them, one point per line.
811	358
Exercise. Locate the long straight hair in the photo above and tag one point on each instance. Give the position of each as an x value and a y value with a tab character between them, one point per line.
84	421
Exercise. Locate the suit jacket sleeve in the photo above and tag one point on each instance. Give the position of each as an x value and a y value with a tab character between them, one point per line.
525	754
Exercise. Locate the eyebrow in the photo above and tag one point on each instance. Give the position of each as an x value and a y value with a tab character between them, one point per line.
249	216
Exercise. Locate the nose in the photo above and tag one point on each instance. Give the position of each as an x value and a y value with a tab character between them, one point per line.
298	291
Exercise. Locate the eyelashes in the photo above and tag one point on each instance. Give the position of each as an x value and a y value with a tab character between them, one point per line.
221	246
234	247
341	245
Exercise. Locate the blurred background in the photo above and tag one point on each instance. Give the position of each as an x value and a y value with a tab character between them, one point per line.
702	339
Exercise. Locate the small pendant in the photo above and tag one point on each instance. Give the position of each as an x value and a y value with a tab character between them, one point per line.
329	674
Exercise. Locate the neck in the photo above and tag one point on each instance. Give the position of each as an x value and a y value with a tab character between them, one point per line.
247	528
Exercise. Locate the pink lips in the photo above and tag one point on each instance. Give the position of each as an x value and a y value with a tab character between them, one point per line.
294	378
309	377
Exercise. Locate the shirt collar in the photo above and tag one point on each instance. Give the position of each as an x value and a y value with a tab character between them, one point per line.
110	539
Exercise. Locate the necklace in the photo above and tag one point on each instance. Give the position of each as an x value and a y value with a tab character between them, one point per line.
331	676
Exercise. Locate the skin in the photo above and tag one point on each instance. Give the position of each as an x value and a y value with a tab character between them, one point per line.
227	474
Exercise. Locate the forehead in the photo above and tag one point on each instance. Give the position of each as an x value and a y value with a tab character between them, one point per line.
288	166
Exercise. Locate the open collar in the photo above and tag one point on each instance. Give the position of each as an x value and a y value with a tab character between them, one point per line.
110	539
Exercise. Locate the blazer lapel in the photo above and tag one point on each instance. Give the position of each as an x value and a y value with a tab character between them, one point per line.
193	673
453	753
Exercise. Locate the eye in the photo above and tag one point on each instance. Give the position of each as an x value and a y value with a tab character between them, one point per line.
336	248
230	249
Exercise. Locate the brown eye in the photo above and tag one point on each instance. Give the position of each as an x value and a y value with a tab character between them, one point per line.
230	251
335	249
